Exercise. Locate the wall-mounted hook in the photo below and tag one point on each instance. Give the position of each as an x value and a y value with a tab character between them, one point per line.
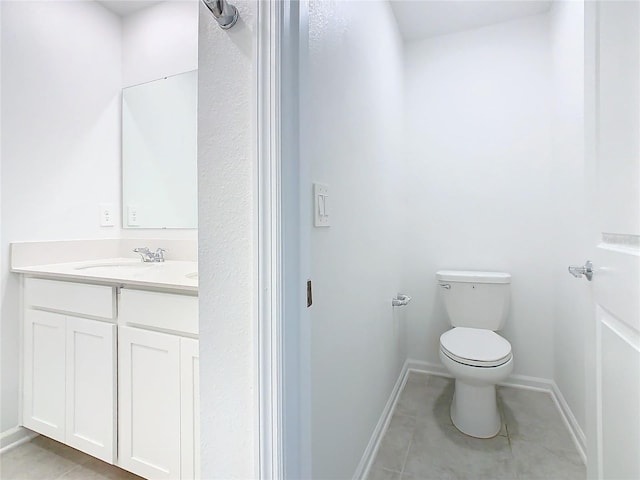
225	14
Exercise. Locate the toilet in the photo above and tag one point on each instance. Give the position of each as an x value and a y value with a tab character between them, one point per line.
477	357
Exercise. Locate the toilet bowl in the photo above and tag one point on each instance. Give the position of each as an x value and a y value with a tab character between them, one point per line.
474	410
475	355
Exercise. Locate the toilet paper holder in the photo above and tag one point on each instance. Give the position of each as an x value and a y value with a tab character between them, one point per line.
400	300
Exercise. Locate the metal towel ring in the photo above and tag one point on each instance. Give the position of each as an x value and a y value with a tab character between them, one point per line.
225	14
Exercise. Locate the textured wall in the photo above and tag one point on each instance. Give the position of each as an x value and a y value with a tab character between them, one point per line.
352	122
227	220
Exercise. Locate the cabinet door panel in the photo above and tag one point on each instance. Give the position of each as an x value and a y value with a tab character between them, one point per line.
149	403
190	408
91	377
44	373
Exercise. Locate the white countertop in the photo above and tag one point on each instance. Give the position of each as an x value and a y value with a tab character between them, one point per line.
171	274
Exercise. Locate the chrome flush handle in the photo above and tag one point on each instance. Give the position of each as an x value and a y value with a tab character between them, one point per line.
586	270
445	285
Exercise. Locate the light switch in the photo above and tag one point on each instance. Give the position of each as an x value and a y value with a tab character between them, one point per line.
320	202
321	199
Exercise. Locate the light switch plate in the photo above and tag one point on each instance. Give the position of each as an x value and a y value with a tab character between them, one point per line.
321	205
106	215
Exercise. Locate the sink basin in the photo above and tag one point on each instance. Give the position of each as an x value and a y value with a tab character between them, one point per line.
134	266
192	275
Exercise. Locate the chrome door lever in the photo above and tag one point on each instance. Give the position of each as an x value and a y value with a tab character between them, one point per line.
586	270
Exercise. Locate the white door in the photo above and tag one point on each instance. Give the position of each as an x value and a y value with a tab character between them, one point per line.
91	387
190	409
44	373
613	148
149	403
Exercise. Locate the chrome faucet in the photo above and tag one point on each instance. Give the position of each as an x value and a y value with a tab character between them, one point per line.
149	256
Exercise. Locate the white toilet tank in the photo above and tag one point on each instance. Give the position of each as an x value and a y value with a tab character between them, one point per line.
475	299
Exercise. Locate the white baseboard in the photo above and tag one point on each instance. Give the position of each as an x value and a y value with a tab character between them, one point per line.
579	438
428	367
14	437
516	381
362	471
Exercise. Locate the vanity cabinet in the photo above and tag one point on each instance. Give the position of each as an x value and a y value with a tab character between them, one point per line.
158	385
113	372
44	373
190	408
69	366
149	401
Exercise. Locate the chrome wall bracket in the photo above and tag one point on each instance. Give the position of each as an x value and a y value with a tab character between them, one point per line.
400	300
586	270
225	14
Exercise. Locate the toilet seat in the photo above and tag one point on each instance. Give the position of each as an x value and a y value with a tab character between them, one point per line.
475	347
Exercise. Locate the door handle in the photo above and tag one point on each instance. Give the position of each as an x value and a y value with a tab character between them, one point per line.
586	270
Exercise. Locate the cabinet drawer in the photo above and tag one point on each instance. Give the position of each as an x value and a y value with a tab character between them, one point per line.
166	311
77	298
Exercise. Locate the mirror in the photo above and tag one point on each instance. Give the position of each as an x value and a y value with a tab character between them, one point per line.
159	153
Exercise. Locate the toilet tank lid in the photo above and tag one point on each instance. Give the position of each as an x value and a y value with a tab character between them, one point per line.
472	277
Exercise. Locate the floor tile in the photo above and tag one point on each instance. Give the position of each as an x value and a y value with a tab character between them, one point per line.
447	453
381	474
39	459
533	443
418	377
536	460
395	443
430	399
96	469
46	459
533	416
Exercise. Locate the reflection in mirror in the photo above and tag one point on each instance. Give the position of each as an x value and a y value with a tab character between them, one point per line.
159	151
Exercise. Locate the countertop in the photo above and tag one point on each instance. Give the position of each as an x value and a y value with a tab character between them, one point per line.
171	274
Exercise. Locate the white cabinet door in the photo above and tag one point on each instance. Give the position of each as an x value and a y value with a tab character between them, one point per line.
149	403
190	409
44	373
91	387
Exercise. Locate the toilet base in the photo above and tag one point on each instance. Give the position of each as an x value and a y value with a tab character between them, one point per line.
474	410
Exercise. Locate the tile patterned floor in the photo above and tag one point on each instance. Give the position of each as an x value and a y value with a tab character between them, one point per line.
421	442
46	459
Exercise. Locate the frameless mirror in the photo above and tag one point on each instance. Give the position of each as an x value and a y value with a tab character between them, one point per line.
159	153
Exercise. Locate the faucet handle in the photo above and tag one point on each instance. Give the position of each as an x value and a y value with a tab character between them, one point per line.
159	255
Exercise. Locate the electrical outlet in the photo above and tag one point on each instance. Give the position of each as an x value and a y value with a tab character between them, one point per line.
132	216
106	215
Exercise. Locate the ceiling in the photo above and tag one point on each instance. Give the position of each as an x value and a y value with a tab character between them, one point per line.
127	7
419	19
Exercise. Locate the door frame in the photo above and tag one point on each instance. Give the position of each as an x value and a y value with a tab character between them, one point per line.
590	152
269	258
282	316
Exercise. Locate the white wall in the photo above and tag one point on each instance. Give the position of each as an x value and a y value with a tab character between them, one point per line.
63	67
60	139
227	219
159	41
351	139
478	146
572	240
